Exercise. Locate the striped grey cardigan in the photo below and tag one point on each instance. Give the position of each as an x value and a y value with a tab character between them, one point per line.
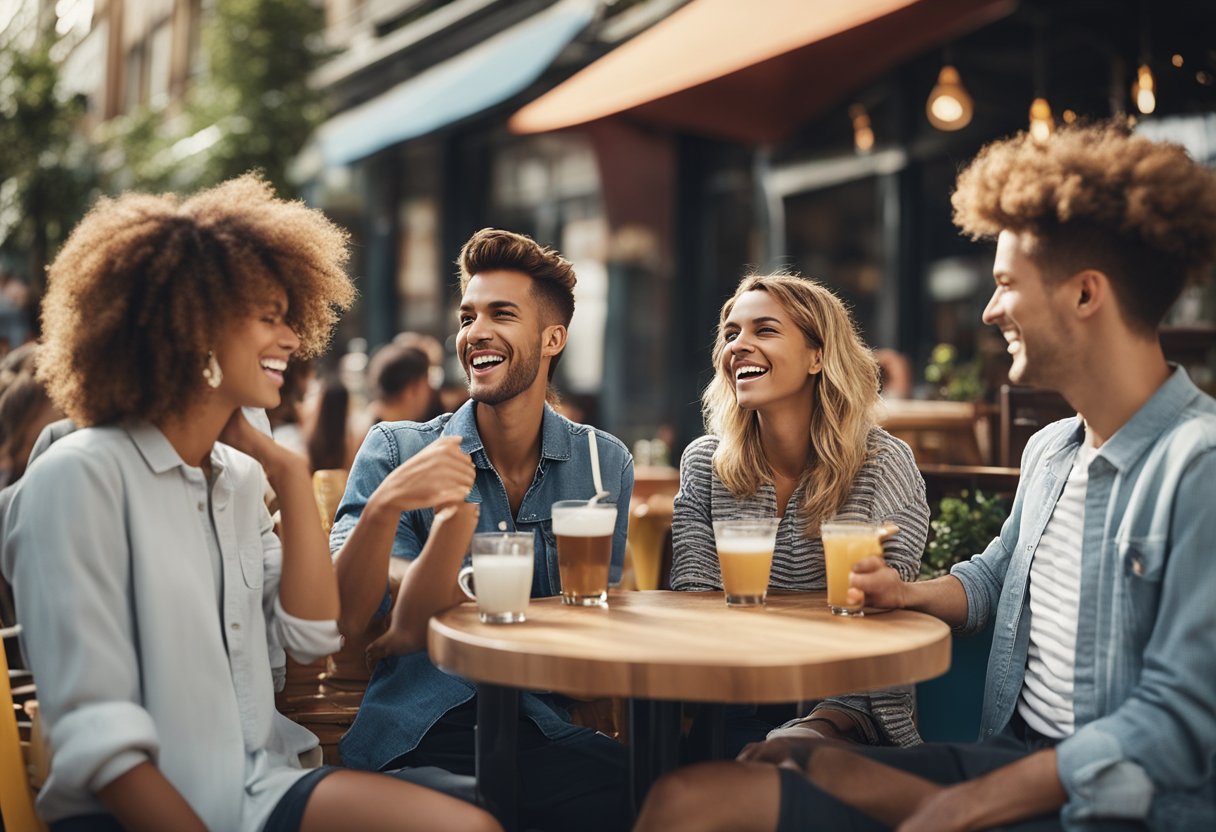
887	489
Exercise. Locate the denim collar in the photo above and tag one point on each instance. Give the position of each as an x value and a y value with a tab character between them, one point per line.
554	440
1144	429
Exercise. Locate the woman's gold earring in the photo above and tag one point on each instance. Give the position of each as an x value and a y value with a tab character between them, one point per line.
212	372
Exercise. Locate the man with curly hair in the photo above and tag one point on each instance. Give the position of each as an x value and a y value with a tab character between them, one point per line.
517	303
1100	703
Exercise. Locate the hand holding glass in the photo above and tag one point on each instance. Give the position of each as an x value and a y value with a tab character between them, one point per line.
844	544
502	574
745	553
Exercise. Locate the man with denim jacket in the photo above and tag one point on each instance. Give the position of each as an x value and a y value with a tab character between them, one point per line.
408	495
1100	702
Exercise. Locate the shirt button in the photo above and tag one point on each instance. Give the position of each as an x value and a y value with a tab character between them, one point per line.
202	507
1138	566
236	625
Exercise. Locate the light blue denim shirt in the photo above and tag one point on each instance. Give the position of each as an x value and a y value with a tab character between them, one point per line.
1145	687
407	694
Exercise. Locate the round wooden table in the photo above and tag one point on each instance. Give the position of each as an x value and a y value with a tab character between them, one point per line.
659	649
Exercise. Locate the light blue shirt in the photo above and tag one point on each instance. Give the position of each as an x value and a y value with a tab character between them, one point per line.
1144	746
407	694
112	544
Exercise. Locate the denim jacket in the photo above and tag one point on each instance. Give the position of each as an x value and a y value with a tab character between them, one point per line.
407	694
1144	698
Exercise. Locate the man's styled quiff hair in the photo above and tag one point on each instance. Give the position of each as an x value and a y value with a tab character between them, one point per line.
145	285
553	278
1098	197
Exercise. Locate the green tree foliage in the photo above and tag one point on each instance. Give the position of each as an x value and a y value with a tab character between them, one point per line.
47	175
252	108
964	526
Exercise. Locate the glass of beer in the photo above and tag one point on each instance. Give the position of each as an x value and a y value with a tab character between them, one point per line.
745	552
584	550
845	543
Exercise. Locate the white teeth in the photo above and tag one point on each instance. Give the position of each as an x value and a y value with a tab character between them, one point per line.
277	364
482	360
750	370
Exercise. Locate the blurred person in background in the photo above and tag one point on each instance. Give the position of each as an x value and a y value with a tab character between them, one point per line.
25	409
286	420
400	382
791	434
14	312
153	594
326	425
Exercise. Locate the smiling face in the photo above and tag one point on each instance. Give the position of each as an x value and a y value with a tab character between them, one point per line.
766	356
253	352
1026	309
502	337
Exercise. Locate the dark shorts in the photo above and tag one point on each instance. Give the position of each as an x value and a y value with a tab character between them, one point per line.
286	816
805	806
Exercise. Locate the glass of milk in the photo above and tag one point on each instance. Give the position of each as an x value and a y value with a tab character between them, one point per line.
500	579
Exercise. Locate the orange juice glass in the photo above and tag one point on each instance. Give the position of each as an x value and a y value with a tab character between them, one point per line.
844	544
745	553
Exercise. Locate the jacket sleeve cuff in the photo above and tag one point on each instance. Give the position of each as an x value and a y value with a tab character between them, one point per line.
95	744
977	598
1100	781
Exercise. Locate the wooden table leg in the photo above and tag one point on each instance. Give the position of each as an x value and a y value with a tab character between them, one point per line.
496	751
654	745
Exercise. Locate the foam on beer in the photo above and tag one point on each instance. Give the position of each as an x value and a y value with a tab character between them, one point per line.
584	522
755	545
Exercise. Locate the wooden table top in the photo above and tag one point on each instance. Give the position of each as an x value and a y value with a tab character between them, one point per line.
690	646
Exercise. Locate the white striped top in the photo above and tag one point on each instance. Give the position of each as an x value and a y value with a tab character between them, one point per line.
1046	699
887	489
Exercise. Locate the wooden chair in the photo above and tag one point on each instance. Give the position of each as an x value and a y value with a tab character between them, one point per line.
1024	411
16	798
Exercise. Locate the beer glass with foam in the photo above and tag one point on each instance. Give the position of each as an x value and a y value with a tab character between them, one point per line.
584	550
745	553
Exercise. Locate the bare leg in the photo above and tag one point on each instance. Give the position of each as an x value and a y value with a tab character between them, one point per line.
854	779
714	796
378	803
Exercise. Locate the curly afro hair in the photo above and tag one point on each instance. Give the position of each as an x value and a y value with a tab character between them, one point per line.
145	284
1098	197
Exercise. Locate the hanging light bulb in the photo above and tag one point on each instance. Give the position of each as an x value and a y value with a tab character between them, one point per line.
863	133
949	106
1144	90
1042	125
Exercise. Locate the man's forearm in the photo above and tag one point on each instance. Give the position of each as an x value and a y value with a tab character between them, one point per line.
429	585
942	598
1019	791
362	567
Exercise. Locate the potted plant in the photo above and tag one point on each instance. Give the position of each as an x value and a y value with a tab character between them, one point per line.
948	707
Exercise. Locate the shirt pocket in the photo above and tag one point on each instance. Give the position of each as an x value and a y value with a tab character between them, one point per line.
253	566
1142	564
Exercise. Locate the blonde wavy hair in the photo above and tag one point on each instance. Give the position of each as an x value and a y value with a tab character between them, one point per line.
845	394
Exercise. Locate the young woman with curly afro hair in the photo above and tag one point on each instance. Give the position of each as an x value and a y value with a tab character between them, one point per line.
155	596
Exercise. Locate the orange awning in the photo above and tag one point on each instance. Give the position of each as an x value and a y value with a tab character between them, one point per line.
753	70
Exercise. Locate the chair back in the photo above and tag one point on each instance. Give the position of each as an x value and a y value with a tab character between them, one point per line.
16	797
1024	411
328	486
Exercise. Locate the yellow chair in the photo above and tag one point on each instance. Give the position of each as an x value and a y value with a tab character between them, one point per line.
16	798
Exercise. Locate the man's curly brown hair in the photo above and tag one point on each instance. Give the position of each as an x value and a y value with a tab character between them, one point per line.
1098	197
145	285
